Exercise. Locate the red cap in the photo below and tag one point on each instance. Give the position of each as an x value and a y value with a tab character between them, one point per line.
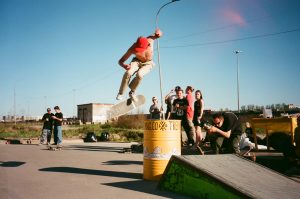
141	44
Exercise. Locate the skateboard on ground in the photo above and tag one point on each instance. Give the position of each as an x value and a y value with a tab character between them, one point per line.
124	107
54	147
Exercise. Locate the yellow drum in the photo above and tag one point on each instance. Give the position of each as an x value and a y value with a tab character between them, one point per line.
162	139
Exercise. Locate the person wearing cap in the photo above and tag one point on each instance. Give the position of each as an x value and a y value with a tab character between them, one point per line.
47	127
141	64
169	99
57	118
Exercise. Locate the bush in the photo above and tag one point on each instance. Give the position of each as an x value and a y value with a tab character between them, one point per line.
125	129
131	121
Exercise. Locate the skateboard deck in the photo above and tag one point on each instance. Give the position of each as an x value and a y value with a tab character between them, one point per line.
245	151
125	106
200	151
54	148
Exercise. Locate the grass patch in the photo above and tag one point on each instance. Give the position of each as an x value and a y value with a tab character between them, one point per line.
126	129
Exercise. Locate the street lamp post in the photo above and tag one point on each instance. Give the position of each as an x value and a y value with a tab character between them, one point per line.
158	55
237	77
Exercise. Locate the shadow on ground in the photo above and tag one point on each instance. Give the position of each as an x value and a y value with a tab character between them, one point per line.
137	185
94	148
122	162
93	172
144	186
11	164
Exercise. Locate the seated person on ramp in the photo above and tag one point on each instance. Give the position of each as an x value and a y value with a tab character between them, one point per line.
141	64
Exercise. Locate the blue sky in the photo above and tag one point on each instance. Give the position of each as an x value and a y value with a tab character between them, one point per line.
65	52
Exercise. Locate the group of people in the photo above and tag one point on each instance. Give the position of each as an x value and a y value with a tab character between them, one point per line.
185	108
224	134
52	122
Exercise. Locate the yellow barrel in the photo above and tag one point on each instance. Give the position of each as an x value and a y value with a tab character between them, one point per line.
162	139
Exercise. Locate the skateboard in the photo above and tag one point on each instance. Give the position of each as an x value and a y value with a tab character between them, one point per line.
201	152
54	147
245	151
124	107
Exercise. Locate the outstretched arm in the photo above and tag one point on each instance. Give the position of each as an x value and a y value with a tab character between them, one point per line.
167	96
157	34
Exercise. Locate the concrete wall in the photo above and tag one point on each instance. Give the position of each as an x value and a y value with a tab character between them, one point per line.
93	112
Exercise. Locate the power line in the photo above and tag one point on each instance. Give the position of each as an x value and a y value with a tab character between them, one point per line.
285	12
232	40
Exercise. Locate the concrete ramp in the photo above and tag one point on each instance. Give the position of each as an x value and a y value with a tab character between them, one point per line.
225	176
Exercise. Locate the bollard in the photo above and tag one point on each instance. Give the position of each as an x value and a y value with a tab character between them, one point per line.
162	139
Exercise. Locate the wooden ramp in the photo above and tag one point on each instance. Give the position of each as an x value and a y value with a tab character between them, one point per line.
225	176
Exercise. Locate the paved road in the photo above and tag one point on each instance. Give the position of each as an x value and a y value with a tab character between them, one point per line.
81	170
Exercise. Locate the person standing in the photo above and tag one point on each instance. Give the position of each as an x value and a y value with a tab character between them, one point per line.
198	114
169	99
190	113
47	127
57	118
180	104
141	64
297	137
154	109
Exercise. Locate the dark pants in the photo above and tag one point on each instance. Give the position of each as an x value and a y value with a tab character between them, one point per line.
221	144
49	136
188	127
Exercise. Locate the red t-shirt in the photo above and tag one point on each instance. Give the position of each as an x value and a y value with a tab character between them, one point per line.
190	107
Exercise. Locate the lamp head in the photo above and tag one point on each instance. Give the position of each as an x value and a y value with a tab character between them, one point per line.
237	51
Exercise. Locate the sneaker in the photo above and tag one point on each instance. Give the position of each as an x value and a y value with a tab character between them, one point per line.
119	96
133	96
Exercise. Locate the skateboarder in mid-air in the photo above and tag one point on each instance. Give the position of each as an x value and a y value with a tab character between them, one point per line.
141	64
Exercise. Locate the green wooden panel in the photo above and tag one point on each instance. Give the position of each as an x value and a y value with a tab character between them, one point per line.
184	180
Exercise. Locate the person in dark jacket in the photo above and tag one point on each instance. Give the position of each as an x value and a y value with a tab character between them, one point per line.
226	133
47	127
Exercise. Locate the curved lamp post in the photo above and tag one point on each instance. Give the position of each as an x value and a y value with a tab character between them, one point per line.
158	54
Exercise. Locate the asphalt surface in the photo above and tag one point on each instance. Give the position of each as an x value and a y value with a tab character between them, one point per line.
80	170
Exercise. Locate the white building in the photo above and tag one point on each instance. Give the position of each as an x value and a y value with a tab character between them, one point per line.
93	112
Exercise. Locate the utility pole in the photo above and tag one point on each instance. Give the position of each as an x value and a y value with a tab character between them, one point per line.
158	57
15	104
74	106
